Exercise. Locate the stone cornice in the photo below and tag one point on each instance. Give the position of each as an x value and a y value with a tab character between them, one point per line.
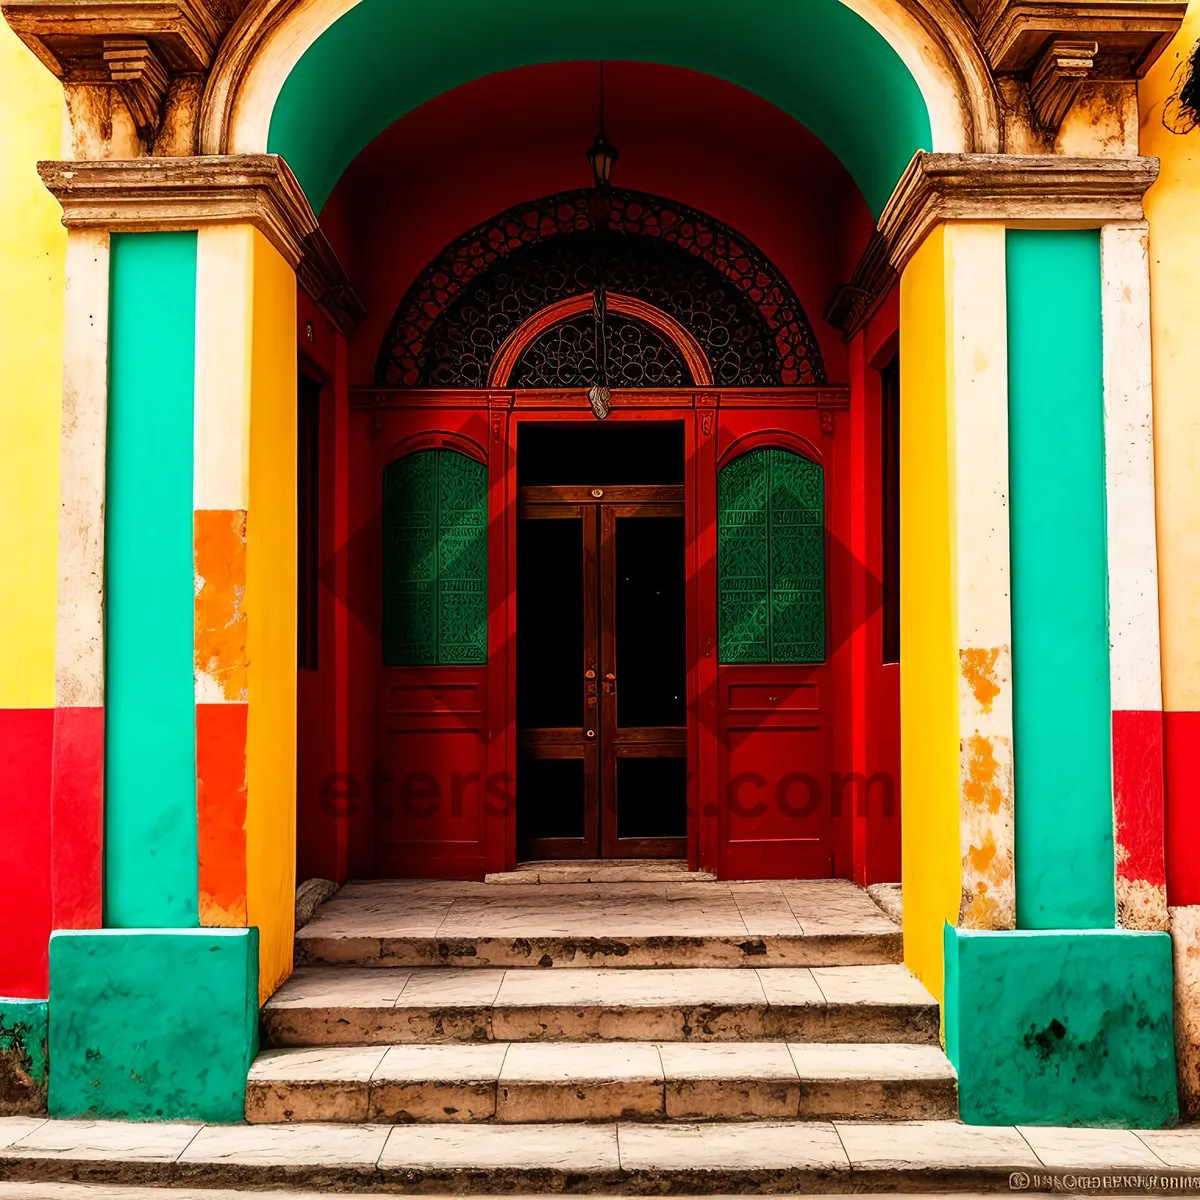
152	194
1017	189
60	32
1129	34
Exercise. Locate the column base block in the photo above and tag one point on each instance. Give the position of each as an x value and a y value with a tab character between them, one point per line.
149	1024
23	1037
1050	1027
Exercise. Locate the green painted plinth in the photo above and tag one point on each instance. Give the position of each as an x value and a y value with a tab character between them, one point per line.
1061	1028
23	1035
150	1024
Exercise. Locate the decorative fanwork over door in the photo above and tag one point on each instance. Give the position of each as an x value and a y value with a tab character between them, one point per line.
434	560
718	285
771	558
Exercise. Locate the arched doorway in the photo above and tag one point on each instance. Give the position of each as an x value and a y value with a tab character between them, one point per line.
616	638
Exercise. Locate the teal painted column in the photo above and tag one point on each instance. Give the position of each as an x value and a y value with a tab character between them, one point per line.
150	838
1061	711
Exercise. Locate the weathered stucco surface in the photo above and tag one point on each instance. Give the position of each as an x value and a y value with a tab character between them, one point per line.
1061	1028
152	1025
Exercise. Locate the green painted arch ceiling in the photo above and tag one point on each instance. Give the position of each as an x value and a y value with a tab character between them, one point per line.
815	59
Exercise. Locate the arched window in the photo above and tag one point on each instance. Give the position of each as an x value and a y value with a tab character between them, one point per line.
434	560
771	558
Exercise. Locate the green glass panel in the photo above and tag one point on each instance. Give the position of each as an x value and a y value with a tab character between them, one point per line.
462	559
434	560
742	559
771	559
796	537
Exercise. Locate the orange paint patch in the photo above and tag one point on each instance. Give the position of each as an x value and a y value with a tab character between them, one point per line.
981	856
978	668
221	812
219	557
982	785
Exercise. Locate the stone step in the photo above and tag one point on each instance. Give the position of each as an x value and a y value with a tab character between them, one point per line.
627	1159
519	1082
423	923
601	870
329	1006
627	950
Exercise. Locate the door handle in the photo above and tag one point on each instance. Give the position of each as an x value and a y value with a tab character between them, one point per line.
610	684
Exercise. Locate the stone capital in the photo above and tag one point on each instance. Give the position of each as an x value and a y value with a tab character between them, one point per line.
1016	189
155	194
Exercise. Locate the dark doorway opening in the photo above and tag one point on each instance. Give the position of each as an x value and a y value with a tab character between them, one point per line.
601	644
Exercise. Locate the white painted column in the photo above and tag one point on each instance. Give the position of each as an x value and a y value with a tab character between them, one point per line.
1135	664
77	780
978	350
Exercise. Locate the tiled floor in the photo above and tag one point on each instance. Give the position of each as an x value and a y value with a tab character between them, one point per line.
426	908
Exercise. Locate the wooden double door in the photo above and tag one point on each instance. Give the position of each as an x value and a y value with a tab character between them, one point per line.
601	672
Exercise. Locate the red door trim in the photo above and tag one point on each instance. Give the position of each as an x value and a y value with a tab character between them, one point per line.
533	327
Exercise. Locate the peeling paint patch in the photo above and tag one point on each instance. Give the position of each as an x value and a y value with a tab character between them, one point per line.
1185	942
987	831
219	552
1138	835
979	671
1141	904
24	1029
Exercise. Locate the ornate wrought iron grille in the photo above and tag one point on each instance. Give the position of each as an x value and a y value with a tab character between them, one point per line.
719	286
565	357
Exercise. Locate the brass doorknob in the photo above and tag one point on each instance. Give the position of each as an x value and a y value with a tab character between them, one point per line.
589	674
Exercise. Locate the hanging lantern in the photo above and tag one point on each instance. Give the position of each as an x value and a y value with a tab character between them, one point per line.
602	154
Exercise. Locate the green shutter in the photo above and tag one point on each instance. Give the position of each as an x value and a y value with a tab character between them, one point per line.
771	559
434	560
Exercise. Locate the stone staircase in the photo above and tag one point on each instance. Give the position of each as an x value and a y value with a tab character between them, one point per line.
642	1001
658	1036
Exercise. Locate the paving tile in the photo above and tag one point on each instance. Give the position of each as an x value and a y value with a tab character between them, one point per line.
749	1145
789	985
318	1063
730	1060
1179	1148
884	984
347	987
573	1148
1088	1149
572	1062
448	1063
580	1082
605	986
438	986
719	1080
107	1141
849	1060
437	1083
348	1147
326	1083
764	910
922	1145
13	1129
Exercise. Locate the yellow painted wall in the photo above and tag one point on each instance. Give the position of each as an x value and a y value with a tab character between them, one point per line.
33	247
271	612
1173	210
929	733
